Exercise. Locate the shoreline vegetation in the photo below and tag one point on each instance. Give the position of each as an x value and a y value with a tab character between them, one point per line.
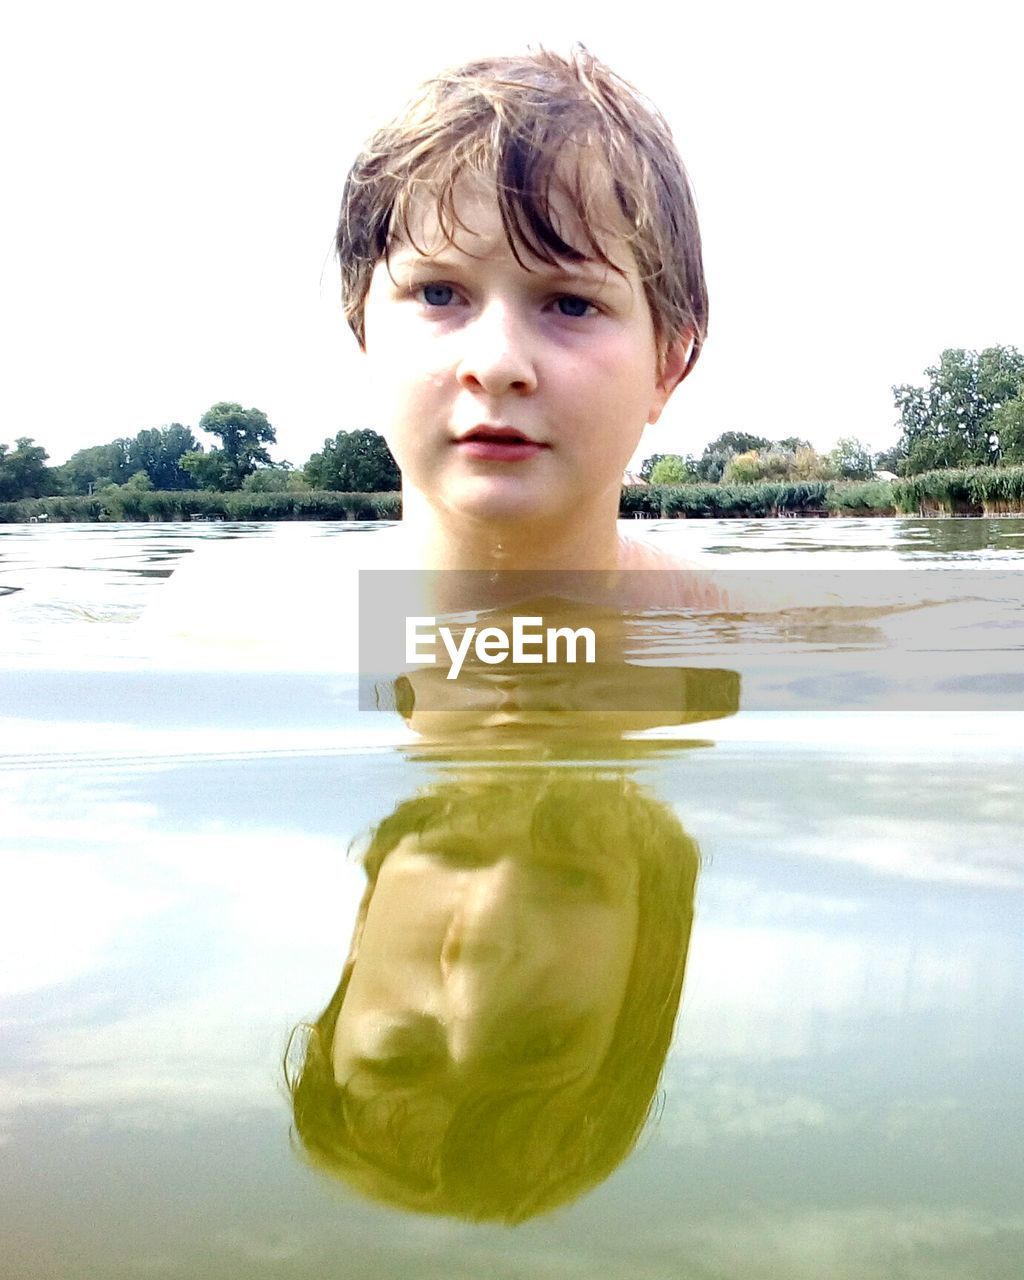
960	453
978	491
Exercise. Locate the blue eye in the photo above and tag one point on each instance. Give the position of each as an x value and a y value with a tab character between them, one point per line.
571	305
437	295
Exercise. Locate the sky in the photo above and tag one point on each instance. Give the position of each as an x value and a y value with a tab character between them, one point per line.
173	174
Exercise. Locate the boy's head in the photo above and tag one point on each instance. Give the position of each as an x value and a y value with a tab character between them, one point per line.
545	133
498	1074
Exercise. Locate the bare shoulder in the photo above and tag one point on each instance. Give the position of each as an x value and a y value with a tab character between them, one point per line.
667	579
642	556
651	577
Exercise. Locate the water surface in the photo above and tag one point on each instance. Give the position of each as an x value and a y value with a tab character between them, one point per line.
842	1093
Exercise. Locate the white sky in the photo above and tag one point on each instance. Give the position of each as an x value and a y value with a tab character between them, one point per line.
172	175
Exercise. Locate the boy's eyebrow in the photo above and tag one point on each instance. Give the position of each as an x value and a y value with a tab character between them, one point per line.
589	270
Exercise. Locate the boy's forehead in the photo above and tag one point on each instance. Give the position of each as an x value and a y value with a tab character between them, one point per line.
471	822
482	819
471	222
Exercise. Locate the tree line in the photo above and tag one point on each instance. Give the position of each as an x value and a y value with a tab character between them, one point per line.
969	413
171	459
738	457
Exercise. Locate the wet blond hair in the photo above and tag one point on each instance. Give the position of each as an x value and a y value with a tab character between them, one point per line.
534	125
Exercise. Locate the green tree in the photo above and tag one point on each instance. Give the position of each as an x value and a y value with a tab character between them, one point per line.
713	461
851	459
23	471
671	468
808	464
1007	425
650	462
739	442
680	463
758	466
95	467
208	470
749	467
948	423
158	451
354	462
282	478
244	435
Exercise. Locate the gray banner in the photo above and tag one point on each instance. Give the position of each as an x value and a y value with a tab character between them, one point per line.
690	645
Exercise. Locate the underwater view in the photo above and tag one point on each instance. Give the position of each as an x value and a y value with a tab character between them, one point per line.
704	962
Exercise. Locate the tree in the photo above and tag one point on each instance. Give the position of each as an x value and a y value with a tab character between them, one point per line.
23	471
650	462
282	478
208	470
1007	423
713	461
354	462
739	442
851	459
95	467
680	465
673	469
158	451
244	435
948	423
758	466
808	464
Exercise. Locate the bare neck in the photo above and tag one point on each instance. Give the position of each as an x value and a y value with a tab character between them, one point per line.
437	541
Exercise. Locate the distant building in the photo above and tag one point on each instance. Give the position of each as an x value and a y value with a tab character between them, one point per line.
885	475
632	477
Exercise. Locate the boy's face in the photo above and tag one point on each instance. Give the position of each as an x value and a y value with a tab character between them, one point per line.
508	394
482	956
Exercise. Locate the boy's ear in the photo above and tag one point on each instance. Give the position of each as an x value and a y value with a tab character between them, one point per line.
671	371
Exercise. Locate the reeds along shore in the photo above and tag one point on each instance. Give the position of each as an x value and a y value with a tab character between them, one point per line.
981	491
204	504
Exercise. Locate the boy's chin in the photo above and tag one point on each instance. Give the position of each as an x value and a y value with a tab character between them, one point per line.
499	505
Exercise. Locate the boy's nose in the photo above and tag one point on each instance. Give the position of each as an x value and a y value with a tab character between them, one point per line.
496	356
486	926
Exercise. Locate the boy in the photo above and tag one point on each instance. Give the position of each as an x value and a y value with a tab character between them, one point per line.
521	264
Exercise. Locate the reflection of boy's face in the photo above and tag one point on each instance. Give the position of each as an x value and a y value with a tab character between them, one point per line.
466	338
480	956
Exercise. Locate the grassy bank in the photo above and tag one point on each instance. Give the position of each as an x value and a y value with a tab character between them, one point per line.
201	504
983	491
757	501
980	491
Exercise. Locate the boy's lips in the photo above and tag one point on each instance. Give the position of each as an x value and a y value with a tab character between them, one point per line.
489	443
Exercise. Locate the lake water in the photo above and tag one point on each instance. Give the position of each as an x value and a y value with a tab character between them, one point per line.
811	822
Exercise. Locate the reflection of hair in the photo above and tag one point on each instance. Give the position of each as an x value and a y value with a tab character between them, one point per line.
534	125
509	1153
